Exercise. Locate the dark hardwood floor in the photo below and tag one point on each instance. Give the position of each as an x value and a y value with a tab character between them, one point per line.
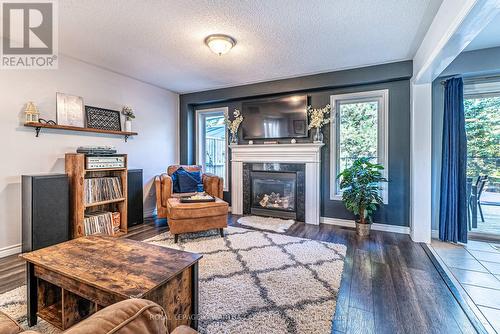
389	284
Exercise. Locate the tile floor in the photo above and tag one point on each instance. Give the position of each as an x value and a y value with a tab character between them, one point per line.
476	266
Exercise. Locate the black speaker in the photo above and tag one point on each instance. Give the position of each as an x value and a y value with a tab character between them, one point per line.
135	206
45	200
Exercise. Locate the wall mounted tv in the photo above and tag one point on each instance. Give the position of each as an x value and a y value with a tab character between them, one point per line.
273	118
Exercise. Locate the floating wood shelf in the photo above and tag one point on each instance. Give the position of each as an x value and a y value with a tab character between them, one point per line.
88	205
39	126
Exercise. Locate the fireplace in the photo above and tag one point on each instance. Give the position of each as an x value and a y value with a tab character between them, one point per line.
274	189
302	158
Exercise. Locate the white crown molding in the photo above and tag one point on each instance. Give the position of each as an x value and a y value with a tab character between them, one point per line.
10	250
377	227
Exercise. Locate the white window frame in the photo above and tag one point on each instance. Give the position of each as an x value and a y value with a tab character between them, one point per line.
200	115
382	96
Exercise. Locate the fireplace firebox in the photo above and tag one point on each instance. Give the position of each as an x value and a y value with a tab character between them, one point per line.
275	190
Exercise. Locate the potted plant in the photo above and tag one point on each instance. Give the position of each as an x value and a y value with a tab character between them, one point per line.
360	185
233	125
318	117
129	116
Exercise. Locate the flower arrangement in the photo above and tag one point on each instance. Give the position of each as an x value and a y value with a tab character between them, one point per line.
128	113
317	116
234	124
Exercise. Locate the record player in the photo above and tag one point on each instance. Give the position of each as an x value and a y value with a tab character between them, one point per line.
96	150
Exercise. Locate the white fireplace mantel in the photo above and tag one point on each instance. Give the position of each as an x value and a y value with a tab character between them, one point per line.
307	153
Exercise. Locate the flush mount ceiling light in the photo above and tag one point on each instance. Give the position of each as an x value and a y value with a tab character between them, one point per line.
220	44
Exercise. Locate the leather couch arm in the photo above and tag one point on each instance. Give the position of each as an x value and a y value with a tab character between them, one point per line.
184	330
8	325
213	185
163	185
126	317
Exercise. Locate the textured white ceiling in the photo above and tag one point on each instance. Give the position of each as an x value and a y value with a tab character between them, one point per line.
489	37
161	42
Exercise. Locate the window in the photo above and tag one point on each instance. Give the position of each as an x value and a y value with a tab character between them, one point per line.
482	126
211	142
358	129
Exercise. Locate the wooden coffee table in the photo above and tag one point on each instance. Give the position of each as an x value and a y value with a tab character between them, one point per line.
69	281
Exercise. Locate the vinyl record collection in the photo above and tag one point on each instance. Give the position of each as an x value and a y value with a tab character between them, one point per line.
101	222
98	189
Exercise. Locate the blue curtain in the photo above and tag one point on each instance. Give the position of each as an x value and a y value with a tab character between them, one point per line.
453	203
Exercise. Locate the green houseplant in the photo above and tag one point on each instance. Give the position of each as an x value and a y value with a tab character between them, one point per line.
360	185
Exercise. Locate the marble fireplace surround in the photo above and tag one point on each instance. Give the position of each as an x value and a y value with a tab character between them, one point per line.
303	153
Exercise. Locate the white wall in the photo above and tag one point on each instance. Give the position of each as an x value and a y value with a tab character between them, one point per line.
153	149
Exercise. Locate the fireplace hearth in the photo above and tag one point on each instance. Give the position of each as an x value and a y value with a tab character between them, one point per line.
275	190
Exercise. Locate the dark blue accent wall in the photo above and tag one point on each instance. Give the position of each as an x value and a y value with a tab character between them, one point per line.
394	77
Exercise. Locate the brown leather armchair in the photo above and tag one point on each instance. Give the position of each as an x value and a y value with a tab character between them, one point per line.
212	184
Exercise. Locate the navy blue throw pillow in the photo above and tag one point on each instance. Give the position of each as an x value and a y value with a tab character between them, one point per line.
175	181
189	181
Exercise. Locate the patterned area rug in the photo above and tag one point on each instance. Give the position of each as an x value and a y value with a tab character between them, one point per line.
260	282
267	223
250	282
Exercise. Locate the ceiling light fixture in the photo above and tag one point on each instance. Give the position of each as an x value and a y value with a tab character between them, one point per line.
220	44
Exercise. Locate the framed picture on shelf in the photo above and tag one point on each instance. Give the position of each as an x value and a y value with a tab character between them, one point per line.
69	110
104	119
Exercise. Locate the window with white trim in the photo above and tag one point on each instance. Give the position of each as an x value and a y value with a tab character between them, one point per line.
211	142
358	129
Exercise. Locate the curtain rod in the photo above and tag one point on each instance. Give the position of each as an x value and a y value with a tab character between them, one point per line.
473	79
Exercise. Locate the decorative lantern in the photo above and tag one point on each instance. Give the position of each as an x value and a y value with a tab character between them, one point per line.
31	113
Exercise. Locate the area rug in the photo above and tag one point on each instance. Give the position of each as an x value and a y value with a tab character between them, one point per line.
267	223
13	303
261	282
250	282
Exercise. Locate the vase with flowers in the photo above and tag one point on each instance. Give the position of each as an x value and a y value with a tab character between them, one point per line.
233	125
318	118
129	116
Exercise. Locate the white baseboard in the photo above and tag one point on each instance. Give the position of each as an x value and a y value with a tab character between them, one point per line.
435	234
337	221
149	213
377	227
10	250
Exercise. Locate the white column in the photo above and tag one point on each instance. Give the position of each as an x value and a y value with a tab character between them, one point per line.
420	159
313	193
237	187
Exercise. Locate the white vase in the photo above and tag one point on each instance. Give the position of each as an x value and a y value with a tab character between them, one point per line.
128	126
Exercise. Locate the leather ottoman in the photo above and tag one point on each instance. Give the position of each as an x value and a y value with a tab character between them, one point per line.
196	217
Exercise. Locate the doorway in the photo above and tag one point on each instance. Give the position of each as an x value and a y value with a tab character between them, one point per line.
482	124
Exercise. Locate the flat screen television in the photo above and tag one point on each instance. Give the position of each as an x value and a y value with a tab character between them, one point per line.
273	118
